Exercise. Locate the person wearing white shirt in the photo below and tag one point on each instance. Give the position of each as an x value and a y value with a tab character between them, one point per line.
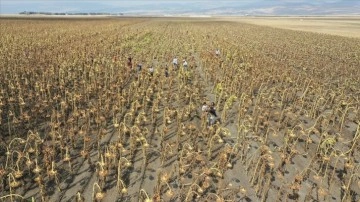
175	62
205	107
185	65
151	70
217	52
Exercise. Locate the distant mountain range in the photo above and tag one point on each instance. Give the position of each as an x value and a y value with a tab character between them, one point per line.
196	7
279	7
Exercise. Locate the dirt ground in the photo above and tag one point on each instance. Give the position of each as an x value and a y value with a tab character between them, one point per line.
290	133
348	26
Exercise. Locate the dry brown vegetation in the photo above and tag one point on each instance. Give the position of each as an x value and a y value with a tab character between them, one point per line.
77	125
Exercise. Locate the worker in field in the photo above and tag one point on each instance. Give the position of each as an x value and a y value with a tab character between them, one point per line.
129	62
139	67
151	70
185	64
212	116
175	62
166	72
217	52
204	112
204	108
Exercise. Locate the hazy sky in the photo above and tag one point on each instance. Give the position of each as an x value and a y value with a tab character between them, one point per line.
176	6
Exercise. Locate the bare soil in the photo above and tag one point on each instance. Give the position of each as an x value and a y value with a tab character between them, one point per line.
348	26
285	137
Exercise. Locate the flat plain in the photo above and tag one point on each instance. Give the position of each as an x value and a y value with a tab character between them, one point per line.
78	122
348	26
